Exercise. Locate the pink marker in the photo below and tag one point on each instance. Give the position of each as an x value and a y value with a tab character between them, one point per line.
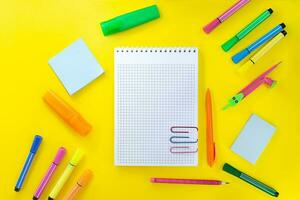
59	155
188	181
212	25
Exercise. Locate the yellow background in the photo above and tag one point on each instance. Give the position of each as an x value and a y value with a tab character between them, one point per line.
34	31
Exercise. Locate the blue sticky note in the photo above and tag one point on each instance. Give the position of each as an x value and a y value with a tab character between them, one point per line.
76	66
253	139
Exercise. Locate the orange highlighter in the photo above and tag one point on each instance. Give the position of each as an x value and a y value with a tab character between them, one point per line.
82	182
65	111
210	144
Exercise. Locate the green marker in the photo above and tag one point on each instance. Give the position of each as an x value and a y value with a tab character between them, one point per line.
245	31
235	172
129	20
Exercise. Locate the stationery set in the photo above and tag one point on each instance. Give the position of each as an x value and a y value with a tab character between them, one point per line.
156	103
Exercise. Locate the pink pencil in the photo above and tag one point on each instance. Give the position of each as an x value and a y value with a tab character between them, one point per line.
188	181
216	22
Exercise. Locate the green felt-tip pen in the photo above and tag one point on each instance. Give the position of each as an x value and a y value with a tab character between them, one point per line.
235	172
130	20
246	30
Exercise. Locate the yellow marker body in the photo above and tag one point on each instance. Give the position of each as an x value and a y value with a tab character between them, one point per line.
267	47
66	174
245	67
62	180
262	51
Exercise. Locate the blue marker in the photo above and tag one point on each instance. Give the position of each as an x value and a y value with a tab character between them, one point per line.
34	147
242	54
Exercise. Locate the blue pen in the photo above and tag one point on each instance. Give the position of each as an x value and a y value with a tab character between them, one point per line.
34	147
242	54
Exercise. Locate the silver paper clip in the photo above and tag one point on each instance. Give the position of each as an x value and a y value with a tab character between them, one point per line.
182	149
180	129
176	140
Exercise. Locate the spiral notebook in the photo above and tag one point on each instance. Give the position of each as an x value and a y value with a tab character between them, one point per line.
156	106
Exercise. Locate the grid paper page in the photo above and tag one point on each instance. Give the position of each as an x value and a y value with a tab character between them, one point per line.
156	106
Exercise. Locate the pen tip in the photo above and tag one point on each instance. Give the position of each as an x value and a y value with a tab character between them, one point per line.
226	107
49	198
224	183
17	189
35	198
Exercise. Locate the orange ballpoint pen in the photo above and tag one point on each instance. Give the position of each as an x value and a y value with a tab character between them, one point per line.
82	182
210	144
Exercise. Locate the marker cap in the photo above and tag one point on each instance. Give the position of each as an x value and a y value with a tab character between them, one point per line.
282	25
130	20
59	155
284	33
36	143
85	178
67	113
77	157
270	10
211	26
80	125
230	43
231	170
240	56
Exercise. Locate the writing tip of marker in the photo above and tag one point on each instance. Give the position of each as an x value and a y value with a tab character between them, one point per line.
49	198
35	198
224	183
17	189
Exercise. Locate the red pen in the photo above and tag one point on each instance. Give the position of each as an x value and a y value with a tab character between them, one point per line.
188	181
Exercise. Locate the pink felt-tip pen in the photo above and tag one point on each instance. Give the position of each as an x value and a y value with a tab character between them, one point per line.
216	22
59	156
188	181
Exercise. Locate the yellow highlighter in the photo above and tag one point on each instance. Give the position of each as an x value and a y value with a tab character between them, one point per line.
262	51
66	174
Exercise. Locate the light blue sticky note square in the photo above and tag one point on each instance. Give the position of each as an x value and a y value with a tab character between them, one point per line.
253	139
76	66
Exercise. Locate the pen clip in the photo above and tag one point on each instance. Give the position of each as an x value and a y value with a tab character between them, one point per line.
269	82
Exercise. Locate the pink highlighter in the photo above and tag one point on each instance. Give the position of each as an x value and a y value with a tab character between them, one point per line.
59	156
212	25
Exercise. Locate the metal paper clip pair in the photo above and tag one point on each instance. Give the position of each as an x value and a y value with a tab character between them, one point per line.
183	139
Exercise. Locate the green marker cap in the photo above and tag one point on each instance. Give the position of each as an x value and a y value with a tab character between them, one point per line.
230	43
231	170
130	20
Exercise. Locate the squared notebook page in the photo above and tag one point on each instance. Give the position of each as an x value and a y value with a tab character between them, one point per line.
156	106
